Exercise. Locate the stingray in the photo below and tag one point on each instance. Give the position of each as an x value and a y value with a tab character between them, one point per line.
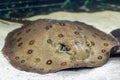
47	46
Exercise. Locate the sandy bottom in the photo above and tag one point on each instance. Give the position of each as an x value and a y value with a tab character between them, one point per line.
105	21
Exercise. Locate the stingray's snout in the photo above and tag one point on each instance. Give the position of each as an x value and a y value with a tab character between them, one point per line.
115	51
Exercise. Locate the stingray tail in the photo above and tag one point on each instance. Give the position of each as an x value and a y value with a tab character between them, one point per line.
115	51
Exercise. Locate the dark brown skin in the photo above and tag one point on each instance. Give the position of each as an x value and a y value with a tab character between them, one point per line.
45	46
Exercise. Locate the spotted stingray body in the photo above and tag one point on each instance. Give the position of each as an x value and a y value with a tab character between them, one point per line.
45	46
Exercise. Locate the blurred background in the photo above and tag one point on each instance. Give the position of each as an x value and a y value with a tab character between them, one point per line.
27	8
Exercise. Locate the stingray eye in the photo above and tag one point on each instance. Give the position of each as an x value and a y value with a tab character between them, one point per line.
64	47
